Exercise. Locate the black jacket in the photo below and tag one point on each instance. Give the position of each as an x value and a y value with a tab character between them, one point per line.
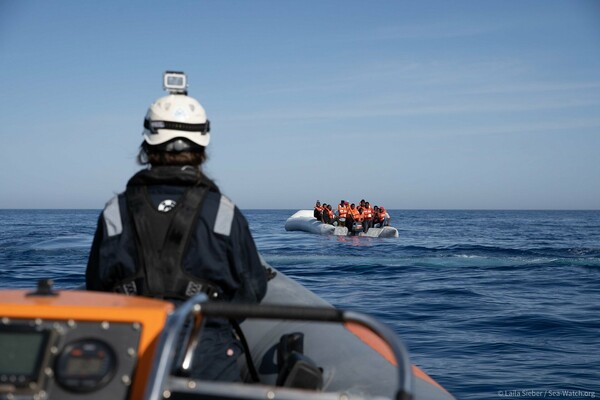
219	249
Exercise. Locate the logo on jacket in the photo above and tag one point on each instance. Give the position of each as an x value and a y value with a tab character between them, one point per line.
166	205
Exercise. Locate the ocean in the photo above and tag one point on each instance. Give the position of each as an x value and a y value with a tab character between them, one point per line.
491	304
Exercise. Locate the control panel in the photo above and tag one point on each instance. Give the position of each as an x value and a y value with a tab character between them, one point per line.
77	344
67	359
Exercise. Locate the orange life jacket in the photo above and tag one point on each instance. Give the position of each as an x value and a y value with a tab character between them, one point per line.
381	215
330	212
319	208
367	212
355	214
342	210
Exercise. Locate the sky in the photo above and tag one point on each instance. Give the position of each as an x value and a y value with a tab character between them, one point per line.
410	105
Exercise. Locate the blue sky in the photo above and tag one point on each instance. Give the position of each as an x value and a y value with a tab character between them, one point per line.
434	104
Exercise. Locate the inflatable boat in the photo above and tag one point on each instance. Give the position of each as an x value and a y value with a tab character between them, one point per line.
75	344
304	220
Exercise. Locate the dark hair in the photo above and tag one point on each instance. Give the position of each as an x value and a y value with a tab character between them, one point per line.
155	155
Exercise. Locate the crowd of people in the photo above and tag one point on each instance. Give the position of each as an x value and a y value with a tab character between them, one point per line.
348	214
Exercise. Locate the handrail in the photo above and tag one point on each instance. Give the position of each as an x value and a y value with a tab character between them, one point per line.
164	356
199	305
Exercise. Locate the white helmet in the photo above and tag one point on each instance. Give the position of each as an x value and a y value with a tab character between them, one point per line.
176	116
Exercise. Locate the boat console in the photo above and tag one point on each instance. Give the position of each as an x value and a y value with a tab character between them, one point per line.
76	345
66	358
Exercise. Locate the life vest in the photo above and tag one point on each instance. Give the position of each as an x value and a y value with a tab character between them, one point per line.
382	214
330	212
162	237
318	213
342	211
355	214
367	212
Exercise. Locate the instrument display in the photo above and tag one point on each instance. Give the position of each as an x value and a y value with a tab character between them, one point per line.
85	365
66	360
22	349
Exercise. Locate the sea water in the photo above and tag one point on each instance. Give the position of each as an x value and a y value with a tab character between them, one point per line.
491	304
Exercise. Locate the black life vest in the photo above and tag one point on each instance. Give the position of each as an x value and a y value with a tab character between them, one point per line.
162	237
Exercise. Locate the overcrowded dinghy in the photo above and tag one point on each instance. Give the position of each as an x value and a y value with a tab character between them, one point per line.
89	345
304	220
